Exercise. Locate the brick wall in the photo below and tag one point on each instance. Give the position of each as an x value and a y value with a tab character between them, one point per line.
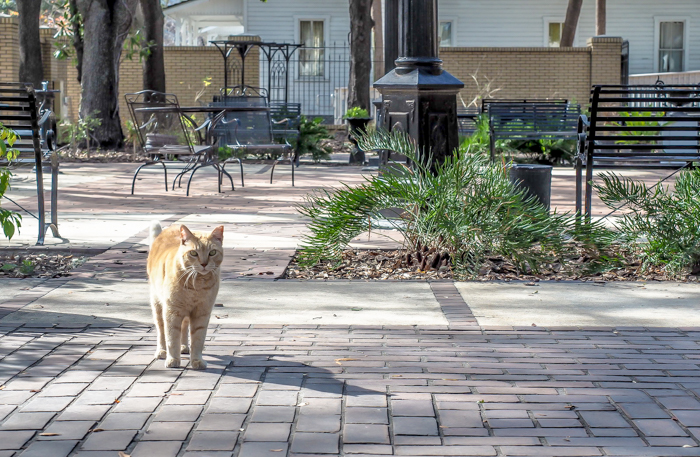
9	46
486	72
535	72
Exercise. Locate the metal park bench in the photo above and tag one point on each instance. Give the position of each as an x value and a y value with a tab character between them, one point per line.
168	131
34	126
645	126
531	121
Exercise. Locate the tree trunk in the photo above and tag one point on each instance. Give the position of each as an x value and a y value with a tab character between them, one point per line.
31	69
77	38
378	39
153	64
600	14
106	24
570	22
360	53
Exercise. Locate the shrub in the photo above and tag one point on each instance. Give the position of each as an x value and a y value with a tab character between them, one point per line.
311	135
10	221
663	225
467	209
356	112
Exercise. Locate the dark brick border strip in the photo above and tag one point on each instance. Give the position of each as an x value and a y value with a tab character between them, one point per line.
455	309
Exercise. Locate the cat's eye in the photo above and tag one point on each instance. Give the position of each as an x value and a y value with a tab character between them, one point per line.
193	253
212	253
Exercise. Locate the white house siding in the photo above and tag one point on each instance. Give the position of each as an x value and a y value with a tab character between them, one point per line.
507	23
275	20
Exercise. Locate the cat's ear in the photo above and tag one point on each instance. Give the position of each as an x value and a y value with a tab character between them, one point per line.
218	234
185	234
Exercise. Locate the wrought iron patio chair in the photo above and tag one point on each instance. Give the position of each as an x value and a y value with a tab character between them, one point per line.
165	132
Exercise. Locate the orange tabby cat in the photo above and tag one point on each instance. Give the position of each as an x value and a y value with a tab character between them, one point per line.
183	272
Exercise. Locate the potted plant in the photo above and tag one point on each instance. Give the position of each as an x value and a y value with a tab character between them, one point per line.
357	118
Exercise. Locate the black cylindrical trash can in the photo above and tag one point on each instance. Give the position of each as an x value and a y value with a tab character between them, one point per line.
535	179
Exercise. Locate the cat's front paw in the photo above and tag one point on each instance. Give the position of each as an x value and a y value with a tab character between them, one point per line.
160	354
172	362
198	364
184	349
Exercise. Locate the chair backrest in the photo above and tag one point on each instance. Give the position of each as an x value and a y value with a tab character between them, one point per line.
242	96
18	111
653	120
248	127
286	111
157	120
534	120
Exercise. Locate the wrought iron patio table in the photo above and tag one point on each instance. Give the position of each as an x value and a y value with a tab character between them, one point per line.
216	113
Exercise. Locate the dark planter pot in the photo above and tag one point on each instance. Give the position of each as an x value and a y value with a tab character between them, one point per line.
535	179
357	125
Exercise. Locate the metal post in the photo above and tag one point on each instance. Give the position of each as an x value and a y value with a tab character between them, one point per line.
391	34
418	96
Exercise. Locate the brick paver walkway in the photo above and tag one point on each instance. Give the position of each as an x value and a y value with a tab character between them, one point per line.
302	390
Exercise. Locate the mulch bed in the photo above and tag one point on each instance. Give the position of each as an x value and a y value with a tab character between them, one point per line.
391	265
31	265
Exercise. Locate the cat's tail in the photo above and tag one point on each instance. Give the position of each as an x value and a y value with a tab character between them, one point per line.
154	231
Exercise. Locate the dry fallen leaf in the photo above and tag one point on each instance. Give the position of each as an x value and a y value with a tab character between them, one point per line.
49	434
276	450
123	454
344	359
95	430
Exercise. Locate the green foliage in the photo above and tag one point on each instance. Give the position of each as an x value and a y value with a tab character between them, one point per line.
630	122
478	141
543	151
135	44
10	221
467	208
663	225
356	112
225	153
82	131
311	134
539	151
8	266
27	267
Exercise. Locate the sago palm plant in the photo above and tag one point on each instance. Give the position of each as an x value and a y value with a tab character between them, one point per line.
467	208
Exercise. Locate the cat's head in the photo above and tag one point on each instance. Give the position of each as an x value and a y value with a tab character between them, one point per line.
202	253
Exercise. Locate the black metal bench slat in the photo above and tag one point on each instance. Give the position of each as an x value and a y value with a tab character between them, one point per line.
651	109
623	139
645	128
34	141
617	148
645	118
532	120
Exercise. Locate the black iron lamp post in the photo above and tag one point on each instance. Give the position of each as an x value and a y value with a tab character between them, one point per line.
418	96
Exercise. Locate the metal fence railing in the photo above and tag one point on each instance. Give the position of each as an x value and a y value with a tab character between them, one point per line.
316	78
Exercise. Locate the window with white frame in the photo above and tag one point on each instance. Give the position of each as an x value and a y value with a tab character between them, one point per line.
671	46
311	35
554	30
445	34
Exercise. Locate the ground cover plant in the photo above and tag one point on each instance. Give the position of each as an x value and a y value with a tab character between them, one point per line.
9	220
456	217
663	222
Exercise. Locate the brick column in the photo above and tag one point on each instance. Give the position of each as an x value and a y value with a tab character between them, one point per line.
9	43
606	59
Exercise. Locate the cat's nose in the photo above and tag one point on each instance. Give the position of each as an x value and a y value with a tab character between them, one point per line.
204	265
